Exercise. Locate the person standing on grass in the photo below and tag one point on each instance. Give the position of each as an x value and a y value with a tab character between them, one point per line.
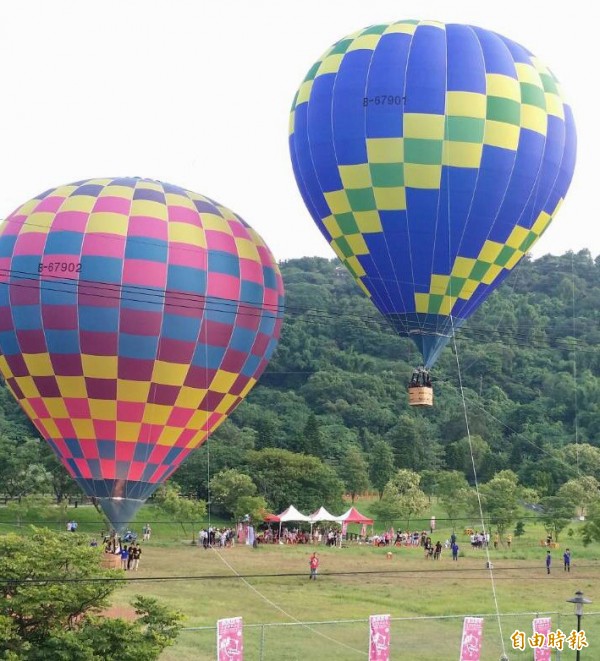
548	561
137	552
314	566
567	560
454	548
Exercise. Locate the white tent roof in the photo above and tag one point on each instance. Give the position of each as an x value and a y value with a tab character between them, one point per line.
322	515
292	514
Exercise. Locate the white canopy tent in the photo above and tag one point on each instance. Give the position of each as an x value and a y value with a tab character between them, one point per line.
322	515
292	514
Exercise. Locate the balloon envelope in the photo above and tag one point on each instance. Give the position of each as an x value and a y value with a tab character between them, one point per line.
134	317
431	157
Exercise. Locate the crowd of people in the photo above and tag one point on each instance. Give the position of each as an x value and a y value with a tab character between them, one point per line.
403	538
126	548
481	540
130	556
319	535
129	551
211	536
417	539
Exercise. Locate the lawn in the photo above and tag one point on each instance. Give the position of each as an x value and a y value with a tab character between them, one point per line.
355	582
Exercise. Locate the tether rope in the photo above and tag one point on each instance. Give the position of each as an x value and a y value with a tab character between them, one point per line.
284	612
576	414
489	564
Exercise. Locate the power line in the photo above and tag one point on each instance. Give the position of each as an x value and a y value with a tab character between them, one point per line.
441	573
174	300
425	520
422	328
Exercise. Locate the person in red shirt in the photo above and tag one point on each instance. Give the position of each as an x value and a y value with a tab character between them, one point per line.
314	566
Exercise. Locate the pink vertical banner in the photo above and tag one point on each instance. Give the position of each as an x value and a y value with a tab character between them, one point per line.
379	638
472	637
230	639
541	627
344	528
241	532
363	530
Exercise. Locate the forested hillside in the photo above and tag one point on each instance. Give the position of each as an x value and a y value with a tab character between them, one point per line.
336	389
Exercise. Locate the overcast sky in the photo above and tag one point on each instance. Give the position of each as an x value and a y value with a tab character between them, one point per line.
197	93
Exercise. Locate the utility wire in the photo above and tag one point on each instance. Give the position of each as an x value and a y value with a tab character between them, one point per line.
441	573
173	300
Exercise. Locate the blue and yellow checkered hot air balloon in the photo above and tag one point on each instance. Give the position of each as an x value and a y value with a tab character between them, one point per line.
431	157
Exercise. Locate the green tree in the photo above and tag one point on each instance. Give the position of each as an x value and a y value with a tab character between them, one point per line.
29	508
389	507
406	479
500	499
184	510
583	455
253	506
311	437
458	457
228	486
62	484
336	438
415	443
557	512
55	619
591	529
21	467
581	492
266	432
284	478
452	490
545	474
106	638
381	465
411	499
354	472
226	448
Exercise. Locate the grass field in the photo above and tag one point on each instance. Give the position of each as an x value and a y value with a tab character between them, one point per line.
354	582
407	586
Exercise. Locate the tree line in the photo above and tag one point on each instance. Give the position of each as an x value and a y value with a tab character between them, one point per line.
330	415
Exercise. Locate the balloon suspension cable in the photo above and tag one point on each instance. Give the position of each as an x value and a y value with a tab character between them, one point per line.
575	421
207	430
281	610
489	564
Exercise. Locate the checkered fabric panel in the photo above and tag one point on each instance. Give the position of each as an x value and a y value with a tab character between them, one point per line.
430	145
134	317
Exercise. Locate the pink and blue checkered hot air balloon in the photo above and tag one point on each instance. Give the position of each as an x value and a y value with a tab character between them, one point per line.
134	317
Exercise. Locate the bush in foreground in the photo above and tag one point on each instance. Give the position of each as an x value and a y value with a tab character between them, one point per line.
52	592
